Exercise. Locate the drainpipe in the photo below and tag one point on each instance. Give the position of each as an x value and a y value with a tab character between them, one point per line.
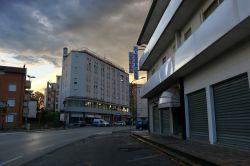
182	103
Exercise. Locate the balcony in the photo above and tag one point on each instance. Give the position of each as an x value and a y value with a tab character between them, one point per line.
226	27
27	84
174	18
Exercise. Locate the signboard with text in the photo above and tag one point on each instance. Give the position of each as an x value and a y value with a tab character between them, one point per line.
136	74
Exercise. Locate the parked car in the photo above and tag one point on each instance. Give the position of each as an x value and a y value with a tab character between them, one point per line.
79	123
128	122
100	123
142	124
120	123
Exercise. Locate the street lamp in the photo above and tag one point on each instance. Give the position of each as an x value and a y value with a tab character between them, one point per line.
29	76
26	114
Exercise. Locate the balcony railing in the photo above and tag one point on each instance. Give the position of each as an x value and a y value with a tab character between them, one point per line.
27	84
167	16
223	22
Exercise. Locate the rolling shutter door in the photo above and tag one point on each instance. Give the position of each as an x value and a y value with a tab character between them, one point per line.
165	121
156	120
198	115
232	111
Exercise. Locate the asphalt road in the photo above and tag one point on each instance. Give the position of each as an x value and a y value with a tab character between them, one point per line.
17	148
117	149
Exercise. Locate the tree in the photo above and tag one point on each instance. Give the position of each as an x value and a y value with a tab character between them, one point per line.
40	99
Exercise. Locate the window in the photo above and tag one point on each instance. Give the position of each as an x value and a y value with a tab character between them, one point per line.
11	102
163	60
12	87
9	118
153	71
211	8
187	34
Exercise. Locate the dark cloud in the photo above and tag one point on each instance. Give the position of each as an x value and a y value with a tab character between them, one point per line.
43	27
29	59
38	59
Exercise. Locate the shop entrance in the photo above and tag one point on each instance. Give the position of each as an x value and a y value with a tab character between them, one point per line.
177	124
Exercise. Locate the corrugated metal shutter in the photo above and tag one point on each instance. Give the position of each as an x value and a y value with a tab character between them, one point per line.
232	111
165	122
156	120
198	115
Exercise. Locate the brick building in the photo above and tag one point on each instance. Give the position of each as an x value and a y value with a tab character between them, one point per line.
12	88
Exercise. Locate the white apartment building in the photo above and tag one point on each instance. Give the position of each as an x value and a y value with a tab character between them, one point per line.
198	61
93	87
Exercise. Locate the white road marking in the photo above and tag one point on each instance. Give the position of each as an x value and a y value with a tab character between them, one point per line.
46	147
9	161
143	158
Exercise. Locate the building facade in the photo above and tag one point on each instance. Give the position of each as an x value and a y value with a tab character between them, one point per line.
138	105
197	59
58	101
93	87
50	96
12	88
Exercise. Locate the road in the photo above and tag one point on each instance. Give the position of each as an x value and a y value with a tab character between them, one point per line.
116	149
17	148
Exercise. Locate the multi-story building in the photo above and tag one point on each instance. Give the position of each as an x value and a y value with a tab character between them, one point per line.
50	96
197	60
12	88
93	87
138	105
58	102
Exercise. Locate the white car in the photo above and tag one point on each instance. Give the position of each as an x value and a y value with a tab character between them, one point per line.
120	123
100	123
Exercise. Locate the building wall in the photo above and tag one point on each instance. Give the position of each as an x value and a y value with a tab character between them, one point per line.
18	95
227	65
142	105
51	96
77	84
58	102
87	76
195	21
101	81
32	105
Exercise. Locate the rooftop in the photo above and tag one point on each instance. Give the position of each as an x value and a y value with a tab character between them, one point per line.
9	69
104	59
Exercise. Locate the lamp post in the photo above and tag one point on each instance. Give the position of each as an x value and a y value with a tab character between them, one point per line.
134	99
26	114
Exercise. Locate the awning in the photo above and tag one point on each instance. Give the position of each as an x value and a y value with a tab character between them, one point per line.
169	98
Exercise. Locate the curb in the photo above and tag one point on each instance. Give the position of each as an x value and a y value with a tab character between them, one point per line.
184	157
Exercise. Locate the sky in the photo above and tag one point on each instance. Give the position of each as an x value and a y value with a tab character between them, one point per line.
34	32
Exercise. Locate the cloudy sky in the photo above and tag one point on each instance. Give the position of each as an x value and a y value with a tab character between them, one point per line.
33	32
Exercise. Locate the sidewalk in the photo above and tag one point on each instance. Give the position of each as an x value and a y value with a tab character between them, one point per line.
195	153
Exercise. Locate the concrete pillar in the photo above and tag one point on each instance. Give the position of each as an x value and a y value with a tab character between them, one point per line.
211	115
